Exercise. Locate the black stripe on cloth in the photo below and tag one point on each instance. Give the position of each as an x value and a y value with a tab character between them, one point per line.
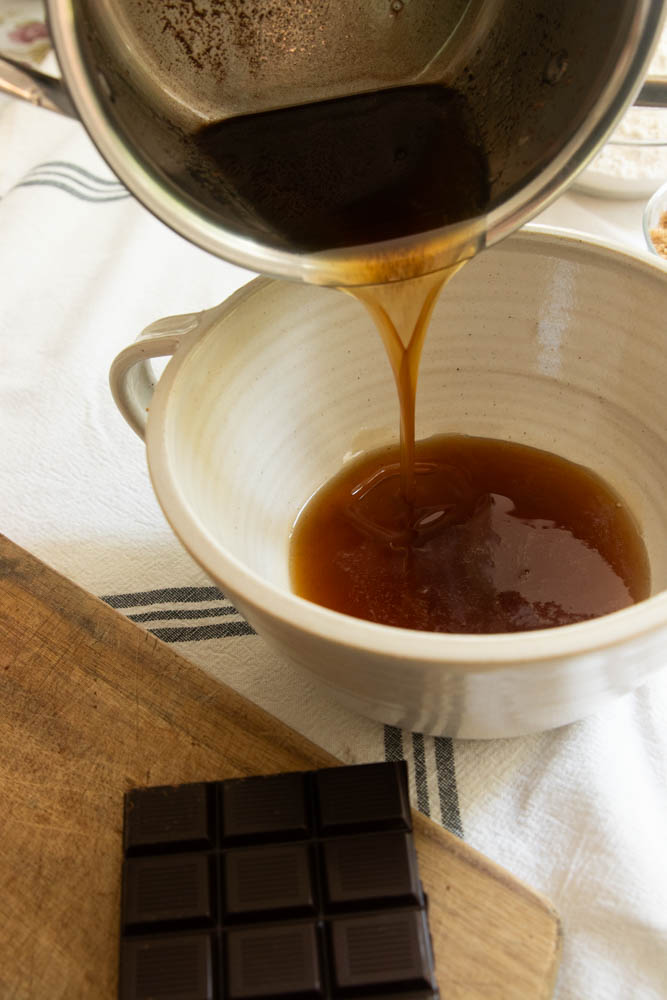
196	633
66	165
421	778
393	743
178	614
449	797
177	595
72	191
393	751
443	754
95	188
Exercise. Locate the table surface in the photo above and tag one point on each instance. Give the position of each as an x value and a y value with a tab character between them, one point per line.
580	814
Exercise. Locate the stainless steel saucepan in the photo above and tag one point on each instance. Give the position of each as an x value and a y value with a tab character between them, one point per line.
546	81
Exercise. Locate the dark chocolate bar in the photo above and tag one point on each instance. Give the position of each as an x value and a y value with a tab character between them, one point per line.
299	885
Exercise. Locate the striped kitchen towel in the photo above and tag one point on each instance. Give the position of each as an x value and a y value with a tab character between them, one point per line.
199	614
579	813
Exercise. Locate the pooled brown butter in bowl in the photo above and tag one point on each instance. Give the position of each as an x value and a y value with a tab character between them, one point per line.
499	537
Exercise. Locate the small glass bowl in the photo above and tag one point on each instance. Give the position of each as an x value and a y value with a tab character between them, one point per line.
656	208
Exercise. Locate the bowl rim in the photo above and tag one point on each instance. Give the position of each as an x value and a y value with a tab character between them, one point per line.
428	649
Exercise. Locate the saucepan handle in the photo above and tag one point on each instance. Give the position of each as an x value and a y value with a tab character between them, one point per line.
131	376
654	93
21	80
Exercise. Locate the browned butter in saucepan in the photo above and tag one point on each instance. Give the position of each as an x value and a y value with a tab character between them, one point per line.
350	171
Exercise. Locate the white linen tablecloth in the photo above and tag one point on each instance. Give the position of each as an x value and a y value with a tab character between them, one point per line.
579	813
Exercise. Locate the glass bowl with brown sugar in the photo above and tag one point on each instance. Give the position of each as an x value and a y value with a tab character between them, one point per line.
654	222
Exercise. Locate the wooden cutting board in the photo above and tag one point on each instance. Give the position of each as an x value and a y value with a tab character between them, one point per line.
91	705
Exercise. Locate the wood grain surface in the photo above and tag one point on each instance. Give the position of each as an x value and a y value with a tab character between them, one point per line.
91	705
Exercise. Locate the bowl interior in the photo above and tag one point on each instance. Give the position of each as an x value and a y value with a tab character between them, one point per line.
544	340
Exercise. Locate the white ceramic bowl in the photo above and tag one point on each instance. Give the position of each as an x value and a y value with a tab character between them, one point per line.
545	339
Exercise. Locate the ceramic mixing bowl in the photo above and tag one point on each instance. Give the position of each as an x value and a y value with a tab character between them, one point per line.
546	340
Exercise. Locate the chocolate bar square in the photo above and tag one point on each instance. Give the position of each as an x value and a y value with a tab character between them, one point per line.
170	817
366	797
299	886
265	808
371	870
273	961
166	889
178	967
272	880
391	950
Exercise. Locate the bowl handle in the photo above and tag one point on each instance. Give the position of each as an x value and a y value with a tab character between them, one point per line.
131	376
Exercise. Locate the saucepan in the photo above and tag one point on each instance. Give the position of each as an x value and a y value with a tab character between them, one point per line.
546	80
